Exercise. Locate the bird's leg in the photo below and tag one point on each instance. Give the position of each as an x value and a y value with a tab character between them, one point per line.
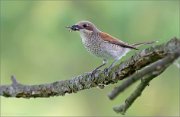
106	70
95	70
112	65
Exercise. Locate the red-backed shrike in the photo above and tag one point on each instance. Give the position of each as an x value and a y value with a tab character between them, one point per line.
102	44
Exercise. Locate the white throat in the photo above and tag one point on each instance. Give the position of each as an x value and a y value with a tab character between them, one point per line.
85	34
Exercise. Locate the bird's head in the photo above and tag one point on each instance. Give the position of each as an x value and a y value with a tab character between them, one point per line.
83	26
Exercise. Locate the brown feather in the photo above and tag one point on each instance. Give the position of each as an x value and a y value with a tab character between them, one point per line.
113	40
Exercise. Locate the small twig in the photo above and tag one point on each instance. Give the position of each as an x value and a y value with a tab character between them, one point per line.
135	94
158	67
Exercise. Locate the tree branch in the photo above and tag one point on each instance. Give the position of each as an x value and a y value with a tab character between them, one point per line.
86	81
148	73
161	65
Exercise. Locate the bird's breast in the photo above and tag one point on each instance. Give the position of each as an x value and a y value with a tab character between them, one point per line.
92	43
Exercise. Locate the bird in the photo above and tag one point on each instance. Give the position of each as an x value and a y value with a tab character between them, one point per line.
102	44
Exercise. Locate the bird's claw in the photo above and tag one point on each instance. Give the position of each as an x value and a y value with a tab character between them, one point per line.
93	73
106	71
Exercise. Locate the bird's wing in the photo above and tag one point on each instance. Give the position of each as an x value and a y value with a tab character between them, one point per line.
108	38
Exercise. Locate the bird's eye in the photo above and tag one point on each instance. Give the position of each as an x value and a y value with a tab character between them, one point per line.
85	25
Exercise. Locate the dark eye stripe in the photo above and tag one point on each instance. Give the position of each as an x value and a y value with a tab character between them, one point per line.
85	25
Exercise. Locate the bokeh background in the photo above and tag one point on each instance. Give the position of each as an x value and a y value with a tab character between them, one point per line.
37	48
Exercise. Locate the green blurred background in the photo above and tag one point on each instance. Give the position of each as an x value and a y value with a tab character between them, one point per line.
37	48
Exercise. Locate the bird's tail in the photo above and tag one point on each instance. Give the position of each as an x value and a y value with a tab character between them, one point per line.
144	43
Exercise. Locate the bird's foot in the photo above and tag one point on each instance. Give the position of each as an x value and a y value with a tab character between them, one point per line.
106	71
93	73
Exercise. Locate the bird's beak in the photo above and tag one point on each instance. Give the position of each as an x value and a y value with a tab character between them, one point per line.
74	27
